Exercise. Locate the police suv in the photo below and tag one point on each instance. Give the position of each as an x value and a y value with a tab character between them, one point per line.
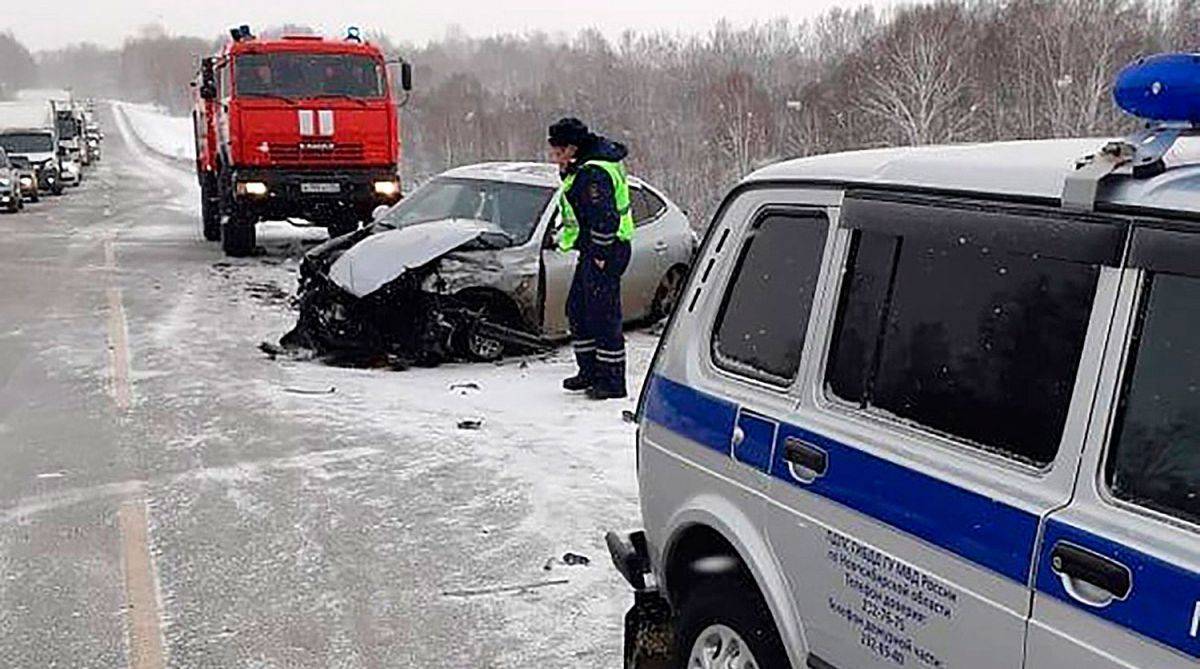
935	407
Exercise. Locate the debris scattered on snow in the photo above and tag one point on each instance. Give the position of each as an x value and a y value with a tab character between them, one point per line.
573	559
308	391
464	386
569	560
504	589
472	424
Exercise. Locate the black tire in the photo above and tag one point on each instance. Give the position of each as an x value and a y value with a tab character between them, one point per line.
14	205
735	603
210	214
238	238
667	295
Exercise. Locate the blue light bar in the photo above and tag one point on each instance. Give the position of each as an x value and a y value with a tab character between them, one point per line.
1164	88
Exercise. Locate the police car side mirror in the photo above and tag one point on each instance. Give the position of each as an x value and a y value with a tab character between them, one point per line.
378	212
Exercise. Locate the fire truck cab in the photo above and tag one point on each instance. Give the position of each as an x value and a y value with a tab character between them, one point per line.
297	127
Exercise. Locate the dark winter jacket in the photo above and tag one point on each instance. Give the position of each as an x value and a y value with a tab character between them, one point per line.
593	199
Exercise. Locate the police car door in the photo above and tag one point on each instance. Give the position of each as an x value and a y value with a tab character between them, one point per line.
1118	580
941	420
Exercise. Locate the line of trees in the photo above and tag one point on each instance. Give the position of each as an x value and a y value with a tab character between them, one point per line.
698	112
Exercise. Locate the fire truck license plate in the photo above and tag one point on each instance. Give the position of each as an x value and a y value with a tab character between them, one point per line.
320	188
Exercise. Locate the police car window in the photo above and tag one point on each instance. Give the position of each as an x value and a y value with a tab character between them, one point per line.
763	320
646	205
1155	456
974	340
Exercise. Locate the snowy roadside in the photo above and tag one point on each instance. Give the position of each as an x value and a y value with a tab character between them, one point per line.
564	463
165	135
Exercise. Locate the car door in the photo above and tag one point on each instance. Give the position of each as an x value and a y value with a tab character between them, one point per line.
558	268
941	418
648	252
1118	580
646	265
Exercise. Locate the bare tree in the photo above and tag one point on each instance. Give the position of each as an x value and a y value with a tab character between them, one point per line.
917	83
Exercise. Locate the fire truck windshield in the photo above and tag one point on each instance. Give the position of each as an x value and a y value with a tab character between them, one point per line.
307	75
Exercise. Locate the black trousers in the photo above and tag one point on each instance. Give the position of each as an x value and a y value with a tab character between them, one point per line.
594	312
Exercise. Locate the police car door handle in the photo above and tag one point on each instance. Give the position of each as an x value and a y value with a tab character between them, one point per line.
1090	577
808	462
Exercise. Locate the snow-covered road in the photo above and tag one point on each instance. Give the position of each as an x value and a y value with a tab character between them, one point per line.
297	515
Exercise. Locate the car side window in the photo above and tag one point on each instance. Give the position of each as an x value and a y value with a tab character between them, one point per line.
4	159
763	320
1154	459
964	328
646	206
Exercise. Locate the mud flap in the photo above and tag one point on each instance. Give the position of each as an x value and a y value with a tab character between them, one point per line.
649	635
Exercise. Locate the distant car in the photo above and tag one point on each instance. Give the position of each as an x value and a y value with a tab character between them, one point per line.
10	185
37	145
467	266
27	177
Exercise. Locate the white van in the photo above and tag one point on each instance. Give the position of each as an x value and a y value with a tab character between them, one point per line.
927	407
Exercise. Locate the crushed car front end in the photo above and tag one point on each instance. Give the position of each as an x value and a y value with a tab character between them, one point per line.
437	298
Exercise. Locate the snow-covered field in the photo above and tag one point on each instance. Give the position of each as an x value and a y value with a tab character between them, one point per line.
563	464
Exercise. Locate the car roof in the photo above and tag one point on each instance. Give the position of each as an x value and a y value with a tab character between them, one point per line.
528	173
1033	169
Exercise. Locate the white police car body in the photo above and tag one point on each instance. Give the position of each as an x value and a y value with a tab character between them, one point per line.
926	407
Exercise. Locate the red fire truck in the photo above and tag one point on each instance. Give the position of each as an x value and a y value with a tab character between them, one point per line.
296	127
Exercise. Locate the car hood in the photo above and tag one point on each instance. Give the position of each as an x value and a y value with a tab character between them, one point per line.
385	256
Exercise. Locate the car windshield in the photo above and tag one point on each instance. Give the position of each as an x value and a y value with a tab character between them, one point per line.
307	75
513	208
26	143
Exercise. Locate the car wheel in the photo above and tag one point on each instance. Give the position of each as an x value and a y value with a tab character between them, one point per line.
724	622
667	295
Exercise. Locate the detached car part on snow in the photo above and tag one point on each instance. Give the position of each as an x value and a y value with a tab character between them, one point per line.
466	268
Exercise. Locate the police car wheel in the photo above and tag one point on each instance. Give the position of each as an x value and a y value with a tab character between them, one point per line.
724	622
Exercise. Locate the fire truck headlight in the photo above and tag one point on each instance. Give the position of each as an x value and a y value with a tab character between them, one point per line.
387	188
255	188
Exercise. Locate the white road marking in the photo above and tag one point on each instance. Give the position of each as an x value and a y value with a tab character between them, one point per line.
118	339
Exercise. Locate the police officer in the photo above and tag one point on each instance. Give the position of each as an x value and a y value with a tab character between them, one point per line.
594	205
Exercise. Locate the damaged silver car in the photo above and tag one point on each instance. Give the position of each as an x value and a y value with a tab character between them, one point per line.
466	267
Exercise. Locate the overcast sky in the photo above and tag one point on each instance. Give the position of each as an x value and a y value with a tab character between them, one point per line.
48	24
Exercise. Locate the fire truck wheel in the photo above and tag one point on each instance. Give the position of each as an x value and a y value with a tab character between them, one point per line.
210	217
237	237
